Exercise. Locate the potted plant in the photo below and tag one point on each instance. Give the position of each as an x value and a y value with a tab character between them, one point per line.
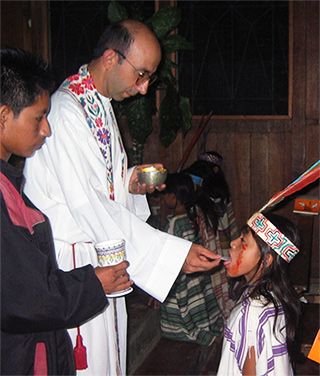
174	111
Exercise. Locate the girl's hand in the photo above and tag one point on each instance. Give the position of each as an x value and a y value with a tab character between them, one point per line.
249	367
200	259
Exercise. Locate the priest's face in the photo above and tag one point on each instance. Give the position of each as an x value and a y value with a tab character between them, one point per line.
25	133
134	71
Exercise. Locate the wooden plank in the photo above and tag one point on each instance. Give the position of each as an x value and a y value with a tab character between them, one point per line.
212	140
15	30
260	170
277	163
315	256
299	92
40	28
240	178
312	144
171	155
312	60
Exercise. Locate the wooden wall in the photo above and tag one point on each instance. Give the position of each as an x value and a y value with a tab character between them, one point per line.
25	24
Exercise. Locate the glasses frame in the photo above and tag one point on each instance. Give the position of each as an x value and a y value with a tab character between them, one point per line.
142	76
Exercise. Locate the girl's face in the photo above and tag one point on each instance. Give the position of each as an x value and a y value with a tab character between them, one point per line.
170	200
244	257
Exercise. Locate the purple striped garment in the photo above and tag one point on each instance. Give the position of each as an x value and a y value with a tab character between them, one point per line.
251	324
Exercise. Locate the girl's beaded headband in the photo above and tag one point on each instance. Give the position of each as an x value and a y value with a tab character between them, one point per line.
269	233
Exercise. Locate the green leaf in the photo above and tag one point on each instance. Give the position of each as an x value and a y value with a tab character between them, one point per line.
186	115
169	117
175	42
165	20
165	72
136	155
116	12
139	113
136	11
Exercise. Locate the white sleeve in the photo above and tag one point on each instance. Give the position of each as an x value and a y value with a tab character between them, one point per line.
67	180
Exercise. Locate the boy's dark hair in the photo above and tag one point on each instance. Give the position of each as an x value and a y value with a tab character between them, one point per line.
24	77
274	283
117	37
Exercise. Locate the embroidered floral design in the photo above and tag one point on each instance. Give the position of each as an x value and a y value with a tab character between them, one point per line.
76	88
99	122
104	137
82	87
75	77
82	102
88	83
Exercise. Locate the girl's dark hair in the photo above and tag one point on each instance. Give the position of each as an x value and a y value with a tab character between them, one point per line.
116	37
181	185
24	77
274	283
212	196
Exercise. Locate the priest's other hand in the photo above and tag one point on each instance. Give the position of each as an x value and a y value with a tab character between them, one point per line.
200	259
140	189
114	278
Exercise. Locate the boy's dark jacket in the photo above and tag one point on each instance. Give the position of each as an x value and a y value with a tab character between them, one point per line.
39	301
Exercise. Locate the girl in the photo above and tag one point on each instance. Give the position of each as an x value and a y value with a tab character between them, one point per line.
190	312
259	335
215	217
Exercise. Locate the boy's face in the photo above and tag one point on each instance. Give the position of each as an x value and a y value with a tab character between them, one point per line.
244	257
26	133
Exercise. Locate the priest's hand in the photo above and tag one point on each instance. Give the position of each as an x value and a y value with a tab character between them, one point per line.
114	278
200	259
140	189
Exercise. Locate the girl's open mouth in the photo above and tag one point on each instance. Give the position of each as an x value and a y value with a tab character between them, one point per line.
226	260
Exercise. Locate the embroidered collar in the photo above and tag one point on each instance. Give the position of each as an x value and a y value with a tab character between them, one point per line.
82	87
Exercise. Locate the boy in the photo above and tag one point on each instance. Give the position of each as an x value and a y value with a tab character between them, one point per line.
39	301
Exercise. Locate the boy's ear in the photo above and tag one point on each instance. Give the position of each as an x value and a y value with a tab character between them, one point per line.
4	114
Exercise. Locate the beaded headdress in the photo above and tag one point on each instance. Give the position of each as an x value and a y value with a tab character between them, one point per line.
212	157
267	231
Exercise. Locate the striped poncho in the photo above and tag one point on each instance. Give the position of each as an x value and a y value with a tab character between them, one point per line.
219	242
190	312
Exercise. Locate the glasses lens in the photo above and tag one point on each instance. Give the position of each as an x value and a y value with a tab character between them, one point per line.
152	79
142	79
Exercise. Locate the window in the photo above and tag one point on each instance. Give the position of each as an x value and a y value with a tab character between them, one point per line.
240	62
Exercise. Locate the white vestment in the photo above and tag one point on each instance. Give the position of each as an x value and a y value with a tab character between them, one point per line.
251	324
66	179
